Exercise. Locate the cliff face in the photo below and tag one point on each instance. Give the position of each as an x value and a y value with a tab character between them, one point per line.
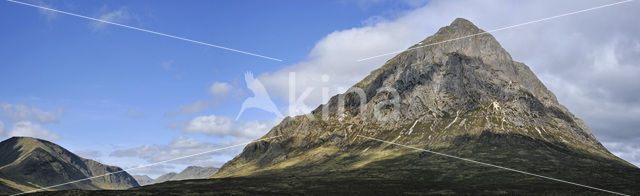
463	86
29	163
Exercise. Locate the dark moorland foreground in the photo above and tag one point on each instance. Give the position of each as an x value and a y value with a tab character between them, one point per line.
421	173
465	98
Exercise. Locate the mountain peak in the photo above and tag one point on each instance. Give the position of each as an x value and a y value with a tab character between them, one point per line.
461	23
25	138
459	82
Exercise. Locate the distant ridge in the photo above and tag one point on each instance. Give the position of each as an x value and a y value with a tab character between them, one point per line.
142	179
30	163
191	172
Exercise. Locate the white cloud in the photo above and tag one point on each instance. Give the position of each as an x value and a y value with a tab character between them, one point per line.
116	16
211	125
241	132
220	89
223	126
21	112
247	131
179	147
194	107
28	129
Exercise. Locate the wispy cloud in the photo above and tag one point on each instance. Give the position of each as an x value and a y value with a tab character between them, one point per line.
48	14
21	112
120	15
219	92
179	147
167	65
195	107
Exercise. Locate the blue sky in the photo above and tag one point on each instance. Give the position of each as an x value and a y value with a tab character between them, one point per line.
112	87
123	96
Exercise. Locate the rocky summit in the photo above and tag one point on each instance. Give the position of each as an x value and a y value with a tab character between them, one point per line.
456	92
459	93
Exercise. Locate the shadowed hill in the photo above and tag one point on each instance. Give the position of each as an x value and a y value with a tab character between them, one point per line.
29	163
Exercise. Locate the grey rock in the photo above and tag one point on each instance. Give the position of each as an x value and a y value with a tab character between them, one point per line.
459	81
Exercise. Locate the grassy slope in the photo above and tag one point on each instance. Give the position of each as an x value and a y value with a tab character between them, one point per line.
400	170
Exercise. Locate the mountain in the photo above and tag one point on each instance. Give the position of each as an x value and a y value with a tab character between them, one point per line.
142	179
164	178
195	172
30	163
191	172
457	93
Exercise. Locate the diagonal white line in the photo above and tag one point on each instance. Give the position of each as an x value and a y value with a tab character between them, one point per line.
145	30
500	29
143	166
492	165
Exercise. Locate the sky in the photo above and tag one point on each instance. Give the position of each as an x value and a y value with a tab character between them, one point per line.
129	98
